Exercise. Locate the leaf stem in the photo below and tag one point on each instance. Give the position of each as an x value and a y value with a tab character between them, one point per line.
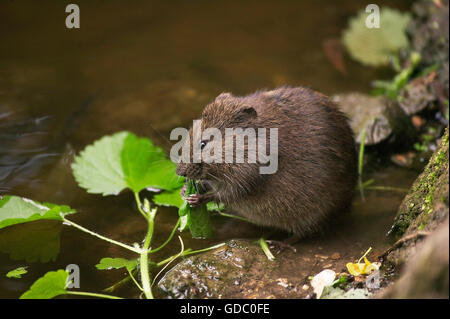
91	294
168	239
265	248
234	216
387	188
139	205
187	252
109	240
130	272
174	257
361	163
149	215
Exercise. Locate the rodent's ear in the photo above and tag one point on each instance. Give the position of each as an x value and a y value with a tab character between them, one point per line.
245	113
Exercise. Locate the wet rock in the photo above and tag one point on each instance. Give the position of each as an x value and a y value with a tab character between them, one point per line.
377	115
426	274
237	270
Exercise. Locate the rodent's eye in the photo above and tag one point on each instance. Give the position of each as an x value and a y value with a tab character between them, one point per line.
203	144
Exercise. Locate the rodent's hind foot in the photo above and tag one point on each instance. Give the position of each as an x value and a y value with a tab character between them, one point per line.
282	245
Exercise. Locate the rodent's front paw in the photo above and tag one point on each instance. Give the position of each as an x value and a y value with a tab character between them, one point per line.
194	200
183	190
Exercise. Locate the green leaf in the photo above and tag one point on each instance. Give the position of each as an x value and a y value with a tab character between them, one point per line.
52	284
16	210
198	219
161	174
136	156
375	46
200	225
184	222
214	207
121	161
98	168
17	273
169	198
116	263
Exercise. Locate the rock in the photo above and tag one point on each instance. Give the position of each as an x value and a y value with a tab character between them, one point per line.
336	256
378	116
238	269
429	31
417	95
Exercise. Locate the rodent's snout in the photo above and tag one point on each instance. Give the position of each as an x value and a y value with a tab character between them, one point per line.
189	170
181	170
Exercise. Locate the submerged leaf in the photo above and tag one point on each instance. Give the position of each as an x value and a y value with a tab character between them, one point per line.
52	284
35	241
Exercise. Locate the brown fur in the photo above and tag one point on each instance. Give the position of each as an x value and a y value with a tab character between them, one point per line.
317	159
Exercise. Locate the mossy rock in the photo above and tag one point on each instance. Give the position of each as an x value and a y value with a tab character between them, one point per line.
426	205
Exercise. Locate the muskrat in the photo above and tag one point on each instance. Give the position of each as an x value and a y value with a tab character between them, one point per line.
317	165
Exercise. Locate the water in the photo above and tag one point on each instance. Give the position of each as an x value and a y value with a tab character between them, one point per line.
146	67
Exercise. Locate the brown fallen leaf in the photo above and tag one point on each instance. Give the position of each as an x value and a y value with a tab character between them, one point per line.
334	52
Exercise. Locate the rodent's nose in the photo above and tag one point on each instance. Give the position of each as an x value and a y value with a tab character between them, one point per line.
181	171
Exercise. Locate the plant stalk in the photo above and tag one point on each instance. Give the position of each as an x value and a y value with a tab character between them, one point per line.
91	294
149	215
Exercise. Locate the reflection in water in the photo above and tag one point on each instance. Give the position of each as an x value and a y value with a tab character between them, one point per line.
147	67
31	242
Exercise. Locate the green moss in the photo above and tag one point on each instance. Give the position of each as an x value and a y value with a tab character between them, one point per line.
417	207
